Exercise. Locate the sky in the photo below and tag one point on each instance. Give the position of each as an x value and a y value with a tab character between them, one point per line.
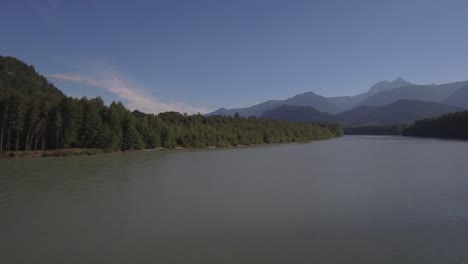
199	55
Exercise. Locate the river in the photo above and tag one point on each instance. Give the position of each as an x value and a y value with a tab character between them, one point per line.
355	199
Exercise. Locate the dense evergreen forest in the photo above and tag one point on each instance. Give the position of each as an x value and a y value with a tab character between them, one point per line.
374	130
454	125
35	115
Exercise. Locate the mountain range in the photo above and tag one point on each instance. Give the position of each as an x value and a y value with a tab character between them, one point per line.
305	99
399	112
385	103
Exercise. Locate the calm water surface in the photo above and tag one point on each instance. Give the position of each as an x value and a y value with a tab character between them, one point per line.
348	200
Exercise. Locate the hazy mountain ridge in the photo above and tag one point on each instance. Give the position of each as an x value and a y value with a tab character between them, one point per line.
399	112
386	85
430	93
255	110
458	98
348	102
304	99
297	113
381	94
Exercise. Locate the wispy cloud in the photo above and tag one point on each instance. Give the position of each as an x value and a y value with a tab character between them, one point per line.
133	95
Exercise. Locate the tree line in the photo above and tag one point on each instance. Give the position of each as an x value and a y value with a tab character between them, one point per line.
453	125
50	123
35	115
392	130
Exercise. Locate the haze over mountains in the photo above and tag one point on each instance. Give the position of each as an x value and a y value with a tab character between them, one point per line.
458	98
400	112
348	102
305	99
386	102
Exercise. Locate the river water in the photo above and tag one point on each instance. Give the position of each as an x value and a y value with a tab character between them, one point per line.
354	199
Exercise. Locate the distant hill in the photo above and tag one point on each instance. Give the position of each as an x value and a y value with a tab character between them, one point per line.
400	112
323	104
453	125
255	110
386	85
306	99
296	113
381	94
313	100
347	102
18	77
429	93
459	98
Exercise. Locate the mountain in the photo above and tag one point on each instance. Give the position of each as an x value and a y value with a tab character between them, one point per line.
305	99
347	102
386	85
255	110
459	98
323	104
297	113
313	100
381	94
18	77
399	112
429	93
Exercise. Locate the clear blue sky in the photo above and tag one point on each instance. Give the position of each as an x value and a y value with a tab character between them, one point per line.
195	55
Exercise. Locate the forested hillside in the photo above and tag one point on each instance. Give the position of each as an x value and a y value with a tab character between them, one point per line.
19	78
34	115
454	125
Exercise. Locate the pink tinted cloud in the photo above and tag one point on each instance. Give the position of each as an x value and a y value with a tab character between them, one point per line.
134	96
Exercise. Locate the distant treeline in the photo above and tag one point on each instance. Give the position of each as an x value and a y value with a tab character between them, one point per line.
374	130
454	125
50	123
35	115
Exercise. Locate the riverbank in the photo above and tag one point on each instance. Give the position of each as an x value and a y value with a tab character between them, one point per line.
74	152
50	153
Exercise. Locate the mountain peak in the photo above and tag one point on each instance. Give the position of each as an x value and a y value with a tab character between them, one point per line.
386	85
400	80
306	93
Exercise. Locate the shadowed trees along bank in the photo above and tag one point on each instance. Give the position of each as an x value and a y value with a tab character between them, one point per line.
454	125
35	115
374	130
45	123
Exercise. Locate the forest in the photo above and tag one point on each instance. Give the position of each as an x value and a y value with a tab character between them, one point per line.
392	130
35	115
453	125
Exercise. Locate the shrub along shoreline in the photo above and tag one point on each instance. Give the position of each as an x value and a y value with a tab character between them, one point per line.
77	152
